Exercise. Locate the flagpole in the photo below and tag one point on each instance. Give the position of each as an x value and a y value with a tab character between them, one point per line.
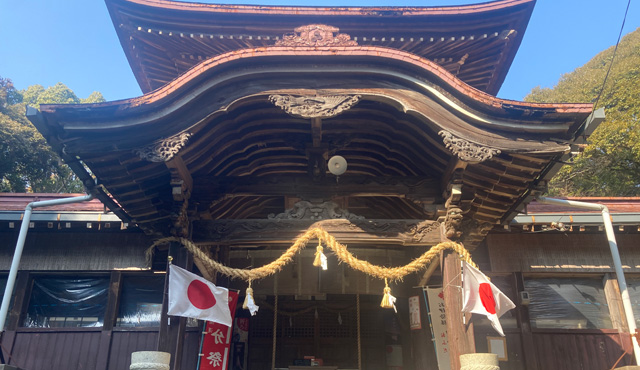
426	303
275	321
464	317
200	354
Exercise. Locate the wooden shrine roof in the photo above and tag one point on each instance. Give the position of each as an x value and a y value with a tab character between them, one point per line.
476	43
239	153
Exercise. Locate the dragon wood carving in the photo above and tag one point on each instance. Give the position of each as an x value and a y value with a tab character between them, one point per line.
314	106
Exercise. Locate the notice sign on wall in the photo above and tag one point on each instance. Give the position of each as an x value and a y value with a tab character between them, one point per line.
439	326
415	322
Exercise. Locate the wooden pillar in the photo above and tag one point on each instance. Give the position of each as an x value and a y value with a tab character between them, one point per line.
522	315
616	313
20	298
614	300
109	321
171	335
459	328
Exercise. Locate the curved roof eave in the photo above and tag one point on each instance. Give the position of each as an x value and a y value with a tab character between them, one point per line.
475	107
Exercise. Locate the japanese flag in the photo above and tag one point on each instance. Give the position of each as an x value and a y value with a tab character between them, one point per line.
192	296
482	297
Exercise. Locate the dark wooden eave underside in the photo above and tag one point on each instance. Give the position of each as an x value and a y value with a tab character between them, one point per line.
477	43
238	134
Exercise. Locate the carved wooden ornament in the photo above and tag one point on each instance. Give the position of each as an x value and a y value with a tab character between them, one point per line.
304	210
316	35
165	149
314	106
466	150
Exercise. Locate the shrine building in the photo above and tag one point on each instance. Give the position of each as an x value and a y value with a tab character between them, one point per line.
237	149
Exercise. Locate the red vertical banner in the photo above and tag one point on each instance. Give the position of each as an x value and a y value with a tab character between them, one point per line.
217	341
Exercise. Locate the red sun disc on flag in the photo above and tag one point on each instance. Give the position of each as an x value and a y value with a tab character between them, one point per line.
200	295
486	297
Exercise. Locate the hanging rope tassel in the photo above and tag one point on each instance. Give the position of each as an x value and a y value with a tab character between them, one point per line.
388	301
249	303
321	259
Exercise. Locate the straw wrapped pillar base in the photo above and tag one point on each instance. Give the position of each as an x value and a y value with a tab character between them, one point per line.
150	360
479	361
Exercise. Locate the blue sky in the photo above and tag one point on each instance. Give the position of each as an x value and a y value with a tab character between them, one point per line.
74	42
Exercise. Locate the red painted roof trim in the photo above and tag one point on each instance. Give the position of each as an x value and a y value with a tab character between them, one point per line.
19	201
615	205
337	10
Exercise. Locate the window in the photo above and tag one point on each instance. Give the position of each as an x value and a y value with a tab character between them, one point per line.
633	287
3	285
140	301
568	303
67	301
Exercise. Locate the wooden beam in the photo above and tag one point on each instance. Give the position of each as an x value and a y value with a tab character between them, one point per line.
213	188
20	304
522	315
454	168
181	180
459	327
111	311
20	300
433	266
614	301
204	270
316	131
284	232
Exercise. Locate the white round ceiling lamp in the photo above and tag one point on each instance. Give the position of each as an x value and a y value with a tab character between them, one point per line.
337	165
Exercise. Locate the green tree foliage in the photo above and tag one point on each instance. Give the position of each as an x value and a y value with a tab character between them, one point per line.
27	163
95	97
57	94
610	162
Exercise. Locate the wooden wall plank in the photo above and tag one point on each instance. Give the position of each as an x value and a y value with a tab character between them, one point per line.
62	342
69	350
578	350
191	349
8	340
556	252
51	251
126	342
